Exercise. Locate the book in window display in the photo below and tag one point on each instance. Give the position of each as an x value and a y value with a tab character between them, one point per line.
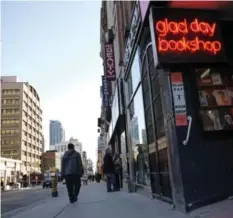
221	97
208	78
226	118
210	120
215	91
230	95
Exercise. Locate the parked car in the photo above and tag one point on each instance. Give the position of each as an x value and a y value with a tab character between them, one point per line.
64	182
47	184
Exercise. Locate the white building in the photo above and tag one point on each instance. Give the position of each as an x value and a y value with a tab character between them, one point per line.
10	170
62	146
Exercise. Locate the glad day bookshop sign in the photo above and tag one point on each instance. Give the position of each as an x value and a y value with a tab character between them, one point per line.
187	36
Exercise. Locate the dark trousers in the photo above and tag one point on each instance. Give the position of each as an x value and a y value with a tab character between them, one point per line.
117	181
109	182
73	184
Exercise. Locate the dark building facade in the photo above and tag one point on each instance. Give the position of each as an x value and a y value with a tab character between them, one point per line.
175	100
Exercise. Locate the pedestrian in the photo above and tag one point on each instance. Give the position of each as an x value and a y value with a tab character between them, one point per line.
117	171
108	169
72	171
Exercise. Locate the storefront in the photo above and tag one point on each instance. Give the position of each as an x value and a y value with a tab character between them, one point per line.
117	132
10	170
179	106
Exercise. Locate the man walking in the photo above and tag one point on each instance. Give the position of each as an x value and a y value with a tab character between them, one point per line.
72	171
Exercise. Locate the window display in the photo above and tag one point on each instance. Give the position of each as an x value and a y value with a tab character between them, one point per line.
215	89
139	141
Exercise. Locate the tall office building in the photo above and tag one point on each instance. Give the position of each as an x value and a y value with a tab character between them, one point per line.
57	133
21	124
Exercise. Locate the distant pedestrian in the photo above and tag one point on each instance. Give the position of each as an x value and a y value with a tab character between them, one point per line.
117	171
72	171
108	169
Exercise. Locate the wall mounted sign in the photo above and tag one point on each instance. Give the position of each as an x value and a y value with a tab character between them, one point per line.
110	70
105	91
179	99
131	40
188	36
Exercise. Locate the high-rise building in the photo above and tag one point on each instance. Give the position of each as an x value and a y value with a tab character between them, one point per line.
62	146
57	133
21	124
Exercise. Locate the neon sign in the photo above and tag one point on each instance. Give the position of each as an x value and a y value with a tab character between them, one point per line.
187	36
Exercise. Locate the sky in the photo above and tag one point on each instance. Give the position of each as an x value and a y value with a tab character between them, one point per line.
55	47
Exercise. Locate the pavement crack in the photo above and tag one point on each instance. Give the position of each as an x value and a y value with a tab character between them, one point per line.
60	211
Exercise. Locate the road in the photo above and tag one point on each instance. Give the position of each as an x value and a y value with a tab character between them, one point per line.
14	200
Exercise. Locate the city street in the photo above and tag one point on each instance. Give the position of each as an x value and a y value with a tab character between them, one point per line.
18	200
94	201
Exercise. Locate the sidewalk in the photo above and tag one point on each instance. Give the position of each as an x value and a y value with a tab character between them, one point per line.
94	201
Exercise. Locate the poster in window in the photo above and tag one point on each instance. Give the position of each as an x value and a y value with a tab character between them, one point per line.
179	99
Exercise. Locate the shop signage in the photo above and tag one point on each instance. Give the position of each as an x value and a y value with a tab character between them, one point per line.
101	142
105	91
188	37
179	99
131	40
110	70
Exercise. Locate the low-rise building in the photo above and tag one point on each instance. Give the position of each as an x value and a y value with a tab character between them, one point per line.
10	170
51	160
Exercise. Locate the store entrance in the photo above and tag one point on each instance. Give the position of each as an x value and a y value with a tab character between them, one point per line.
203	106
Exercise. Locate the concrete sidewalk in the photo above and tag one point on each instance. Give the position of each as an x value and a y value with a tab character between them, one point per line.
94	201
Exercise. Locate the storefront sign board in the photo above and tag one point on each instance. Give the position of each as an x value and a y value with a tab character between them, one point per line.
105	91
188	36
179	99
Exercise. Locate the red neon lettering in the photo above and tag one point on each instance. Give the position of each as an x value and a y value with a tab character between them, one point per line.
189	45
184	44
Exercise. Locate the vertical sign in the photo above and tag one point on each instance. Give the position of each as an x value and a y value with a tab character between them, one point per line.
110	70
179	99
105	91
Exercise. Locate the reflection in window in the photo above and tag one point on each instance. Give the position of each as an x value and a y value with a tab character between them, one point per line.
135	71
139	141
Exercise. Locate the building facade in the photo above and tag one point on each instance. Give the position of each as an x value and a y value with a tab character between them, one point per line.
51	160
169	123
62	147
10	170
56	131
21	124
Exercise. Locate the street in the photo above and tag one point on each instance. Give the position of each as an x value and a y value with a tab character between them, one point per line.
18	199
94	201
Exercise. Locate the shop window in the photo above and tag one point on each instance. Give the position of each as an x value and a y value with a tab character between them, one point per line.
139	142
215	89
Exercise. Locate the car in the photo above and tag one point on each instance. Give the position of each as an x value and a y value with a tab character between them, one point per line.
64	182
47	184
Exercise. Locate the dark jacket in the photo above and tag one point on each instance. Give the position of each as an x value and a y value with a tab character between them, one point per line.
72	164
108	164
